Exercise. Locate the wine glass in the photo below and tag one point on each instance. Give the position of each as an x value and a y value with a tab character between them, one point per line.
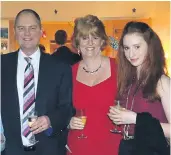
82	114
32	117
118	106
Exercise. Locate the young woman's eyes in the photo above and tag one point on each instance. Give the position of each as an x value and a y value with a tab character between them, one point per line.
126	48
137	47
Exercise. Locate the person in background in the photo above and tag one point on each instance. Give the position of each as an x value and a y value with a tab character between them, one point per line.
94	90
143	87
2	136
42	48
63	53
33	81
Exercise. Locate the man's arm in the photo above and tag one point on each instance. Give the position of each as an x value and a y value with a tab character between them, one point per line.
60	118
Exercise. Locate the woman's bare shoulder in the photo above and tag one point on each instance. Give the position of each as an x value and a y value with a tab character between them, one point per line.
163	85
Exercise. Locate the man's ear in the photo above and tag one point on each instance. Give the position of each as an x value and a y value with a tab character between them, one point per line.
41	32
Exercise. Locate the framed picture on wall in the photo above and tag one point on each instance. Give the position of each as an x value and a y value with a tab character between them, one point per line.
4	44
4	33
4	40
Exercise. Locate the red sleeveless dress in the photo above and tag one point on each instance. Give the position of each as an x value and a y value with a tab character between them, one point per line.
96	101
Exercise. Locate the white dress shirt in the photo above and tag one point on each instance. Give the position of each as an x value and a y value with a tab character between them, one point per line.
20	81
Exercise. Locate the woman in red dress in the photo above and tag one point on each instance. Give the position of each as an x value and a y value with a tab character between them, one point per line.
94	89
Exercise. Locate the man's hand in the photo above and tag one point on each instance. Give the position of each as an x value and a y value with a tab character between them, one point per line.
41	124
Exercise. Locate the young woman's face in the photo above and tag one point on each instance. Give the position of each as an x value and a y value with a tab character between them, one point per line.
135	49
90	46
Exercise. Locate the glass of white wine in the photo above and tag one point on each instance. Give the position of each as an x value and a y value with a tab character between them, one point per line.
82	114
32	117
118	106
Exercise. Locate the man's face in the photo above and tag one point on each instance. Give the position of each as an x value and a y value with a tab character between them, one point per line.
28	33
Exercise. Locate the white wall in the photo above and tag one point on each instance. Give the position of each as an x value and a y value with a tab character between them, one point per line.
67	11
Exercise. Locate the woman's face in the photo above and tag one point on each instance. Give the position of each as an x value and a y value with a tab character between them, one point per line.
135	49
90	46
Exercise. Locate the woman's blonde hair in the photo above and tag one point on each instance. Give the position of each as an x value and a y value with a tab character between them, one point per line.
89	24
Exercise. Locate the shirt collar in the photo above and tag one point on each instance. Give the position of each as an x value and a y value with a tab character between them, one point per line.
34	57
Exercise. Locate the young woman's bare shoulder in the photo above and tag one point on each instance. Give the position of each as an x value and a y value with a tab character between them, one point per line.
163	85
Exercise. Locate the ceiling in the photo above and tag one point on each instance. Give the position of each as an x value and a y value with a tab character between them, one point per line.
69	10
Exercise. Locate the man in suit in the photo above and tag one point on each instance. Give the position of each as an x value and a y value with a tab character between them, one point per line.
63	53
34	81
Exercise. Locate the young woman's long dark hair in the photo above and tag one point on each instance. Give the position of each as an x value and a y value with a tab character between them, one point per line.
153	66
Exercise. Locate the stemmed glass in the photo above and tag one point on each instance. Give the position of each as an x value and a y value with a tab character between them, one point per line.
32	117
118	106
82	114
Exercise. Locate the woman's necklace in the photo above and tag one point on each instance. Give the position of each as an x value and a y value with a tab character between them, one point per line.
92	72
126	126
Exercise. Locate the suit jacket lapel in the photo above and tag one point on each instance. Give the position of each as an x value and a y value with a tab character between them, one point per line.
13	74
14	93
42	87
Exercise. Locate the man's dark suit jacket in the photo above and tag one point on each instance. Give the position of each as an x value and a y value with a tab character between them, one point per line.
65	55
53	98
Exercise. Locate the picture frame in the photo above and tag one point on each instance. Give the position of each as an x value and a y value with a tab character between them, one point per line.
4	40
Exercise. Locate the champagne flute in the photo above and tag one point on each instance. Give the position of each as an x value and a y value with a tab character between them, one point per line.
82	114
32	117
115	130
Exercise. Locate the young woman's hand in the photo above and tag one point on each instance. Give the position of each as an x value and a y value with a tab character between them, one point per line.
122	116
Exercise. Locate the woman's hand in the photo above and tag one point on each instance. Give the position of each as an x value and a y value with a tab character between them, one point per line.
122	116
76	123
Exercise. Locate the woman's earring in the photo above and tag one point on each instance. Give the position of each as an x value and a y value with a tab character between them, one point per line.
79	52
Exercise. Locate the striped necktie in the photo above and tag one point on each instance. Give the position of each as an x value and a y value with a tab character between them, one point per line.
28	97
